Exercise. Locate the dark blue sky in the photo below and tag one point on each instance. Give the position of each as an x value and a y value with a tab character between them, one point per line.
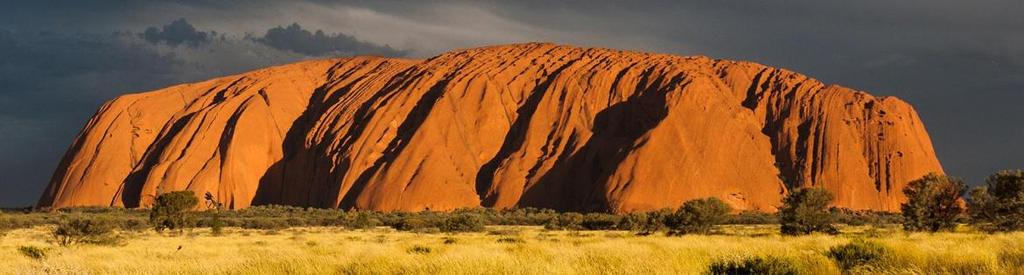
960	63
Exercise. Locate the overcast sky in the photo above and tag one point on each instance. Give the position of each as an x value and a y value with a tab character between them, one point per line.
960	63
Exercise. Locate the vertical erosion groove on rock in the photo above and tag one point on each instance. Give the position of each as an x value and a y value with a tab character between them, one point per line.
526	125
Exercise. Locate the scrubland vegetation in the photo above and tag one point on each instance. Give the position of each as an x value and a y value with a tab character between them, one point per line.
933	234
516	249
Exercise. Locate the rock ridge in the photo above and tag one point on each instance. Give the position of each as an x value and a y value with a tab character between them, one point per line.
523	125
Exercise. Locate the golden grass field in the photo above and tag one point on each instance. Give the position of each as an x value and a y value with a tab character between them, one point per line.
501	250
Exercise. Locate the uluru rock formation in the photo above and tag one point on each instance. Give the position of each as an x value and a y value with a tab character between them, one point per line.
526	125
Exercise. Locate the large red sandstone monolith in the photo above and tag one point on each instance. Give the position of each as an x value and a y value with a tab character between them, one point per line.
536	125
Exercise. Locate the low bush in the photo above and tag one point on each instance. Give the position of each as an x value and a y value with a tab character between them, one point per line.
645	223
170	210
857	253
865	217
362	220
82	230
754	265
264	223
278	217
632	222
599	221
698	216
565	221
752	217
132	224
216	224
34	252
411	223
462	223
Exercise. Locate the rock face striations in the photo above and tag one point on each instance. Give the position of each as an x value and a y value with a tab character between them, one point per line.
527	125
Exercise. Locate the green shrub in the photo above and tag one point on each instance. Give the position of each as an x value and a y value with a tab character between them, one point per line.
805	211
363	220
34	252
134	224
170	211
599	221
698	216
857	253
999	205
505	232
411	223
82	230
865	217
752	217
754	265
568	220
462	223
216	225
632	222
645	223
933	203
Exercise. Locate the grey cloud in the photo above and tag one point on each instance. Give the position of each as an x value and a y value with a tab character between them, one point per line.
51	83
295	38
176	33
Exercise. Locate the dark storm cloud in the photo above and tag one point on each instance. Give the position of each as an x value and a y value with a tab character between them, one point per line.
52	81
49	84
960	63
176	33
295	38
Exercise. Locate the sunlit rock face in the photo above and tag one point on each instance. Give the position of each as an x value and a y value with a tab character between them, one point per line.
526	125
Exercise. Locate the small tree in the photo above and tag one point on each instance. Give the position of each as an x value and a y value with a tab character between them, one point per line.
81	230
170	210
999	205
933	203
805	211
216	224
698	216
